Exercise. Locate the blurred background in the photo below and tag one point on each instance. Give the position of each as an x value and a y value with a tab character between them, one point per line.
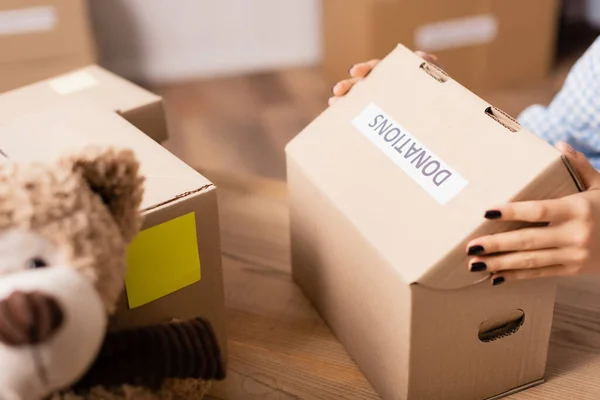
240	78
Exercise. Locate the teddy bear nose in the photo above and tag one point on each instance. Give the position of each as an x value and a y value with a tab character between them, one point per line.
29	318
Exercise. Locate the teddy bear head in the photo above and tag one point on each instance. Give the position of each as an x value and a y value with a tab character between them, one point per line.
80	213
64	232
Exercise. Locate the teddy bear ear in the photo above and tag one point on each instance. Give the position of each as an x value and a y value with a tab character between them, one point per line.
113	174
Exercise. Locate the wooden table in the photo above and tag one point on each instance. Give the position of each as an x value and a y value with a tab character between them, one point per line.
280	349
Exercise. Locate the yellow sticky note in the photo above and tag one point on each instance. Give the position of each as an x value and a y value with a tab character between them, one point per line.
162	260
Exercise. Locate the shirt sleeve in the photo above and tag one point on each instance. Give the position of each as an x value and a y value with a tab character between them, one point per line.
573	116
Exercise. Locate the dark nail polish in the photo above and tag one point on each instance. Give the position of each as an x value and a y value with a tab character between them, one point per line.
478	267
493	214
475	250
497	281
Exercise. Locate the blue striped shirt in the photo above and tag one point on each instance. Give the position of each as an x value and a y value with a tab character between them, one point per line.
573	116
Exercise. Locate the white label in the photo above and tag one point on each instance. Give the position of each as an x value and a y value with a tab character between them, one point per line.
428	170
74	82
455	33
27	20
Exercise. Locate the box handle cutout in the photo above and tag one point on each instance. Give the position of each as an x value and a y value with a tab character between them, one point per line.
434	72
503	118
494	330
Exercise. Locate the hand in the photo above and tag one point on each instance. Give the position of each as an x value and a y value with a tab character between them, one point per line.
361	70
569	245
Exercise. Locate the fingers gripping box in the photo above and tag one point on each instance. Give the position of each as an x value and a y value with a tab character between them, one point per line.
386	189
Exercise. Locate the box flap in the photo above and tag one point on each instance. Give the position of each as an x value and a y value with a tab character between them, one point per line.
46	133
413	160
35	30
95	84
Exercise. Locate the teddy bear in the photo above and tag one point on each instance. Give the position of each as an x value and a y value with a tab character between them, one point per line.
65	227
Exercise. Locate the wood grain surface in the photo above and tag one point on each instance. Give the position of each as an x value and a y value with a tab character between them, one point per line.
281	349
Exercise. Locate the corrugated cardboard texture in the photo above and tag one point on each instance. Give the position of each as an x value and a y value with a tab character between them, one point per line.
384	261
43	38
372	28
172	189
91	83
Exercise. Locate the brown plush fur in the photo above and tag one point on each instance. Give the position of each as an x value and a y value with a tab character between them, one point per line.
87	205
67	204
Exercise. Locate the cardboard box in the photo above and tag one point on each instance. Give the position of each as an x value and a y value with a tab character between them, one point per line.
174	268
140	107
484	44
386	189
43	38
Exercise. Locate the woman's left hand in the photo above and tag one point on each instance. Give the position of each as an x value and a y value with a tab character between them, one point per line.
569	245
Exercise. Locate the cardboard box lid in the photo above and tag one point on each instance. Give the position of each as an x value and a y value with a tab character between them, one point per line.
38	29
418	193
46	133
92	83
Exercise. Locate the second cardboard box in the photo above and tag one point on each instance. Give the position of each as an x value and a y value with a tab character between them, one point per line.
387	187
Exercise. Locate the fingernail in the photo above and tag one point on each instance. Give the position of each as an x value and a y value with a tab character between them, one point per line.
478	267
350	70
333	88
493	214
497	281
475	250
566	148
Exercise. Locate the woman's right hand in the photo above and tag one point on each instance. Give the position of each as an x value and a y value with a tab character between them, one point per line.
361	70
